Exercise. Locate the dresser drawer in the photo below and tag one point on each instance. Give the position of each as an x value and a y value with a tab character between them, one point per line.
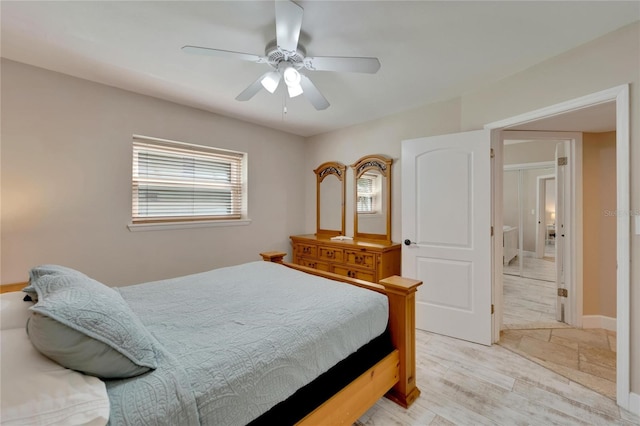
330	253
354	273
361	259
315	264
307	250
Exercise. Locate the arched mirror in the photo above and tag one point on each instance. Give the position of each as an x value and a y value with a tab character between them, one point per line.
330	190
372	212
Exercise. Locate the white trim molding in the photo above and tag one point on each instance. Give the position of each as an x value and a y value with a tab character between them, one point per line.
634	403
166	226
599	321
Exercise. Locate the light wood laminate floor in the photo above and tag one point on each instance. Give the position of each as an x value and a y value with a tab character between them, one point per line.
529	301
533	267
464	383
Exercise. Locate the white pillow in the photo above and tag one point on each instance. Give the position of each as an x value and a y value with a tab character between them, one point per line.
38	391
14	311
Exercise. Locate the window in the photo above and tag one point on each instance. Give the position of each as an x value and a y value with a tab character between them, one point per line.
368	189
179	182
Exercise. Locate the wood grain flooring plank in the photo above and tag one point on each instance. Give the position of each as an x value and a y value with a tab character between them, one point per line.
464	383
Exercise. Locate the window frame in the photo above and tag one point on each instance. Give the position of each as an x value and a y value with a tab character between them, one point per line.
237	176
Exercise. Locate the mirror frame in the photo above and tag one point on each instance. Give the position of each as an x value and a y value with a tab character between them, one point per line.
382	164
327	169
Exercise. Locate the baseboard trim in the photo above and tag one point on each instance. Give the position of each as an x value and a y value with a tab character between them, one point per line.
634	403
599	321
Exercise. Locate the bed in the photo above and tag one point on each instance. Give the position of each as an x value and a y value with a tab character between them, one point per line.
205	361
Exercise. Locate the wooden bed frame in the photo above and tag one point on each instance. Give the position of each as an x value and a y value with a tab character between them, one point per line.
393	376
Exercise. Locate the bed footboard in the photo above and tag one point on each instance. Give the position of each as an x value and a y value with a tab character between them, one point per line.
401	293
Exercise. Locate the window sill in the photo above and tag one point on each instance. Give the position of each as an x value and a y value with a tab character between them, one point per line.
166	226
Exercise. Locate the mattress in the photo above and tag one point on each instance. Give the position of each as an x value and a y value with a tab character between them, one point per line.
240	340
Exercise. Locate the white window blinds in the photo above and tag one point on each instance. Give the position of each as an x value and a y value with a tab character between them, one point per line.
174	181
367	190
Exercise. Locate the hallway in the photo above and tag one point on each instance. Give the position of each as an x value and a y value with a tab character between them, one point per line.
530	329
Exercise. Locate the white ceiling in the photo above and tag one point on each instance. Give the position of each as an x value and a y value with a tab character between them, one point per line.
429	50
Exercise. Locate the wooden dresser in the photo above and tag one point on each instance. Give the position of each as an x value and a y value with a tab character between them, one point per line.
369	261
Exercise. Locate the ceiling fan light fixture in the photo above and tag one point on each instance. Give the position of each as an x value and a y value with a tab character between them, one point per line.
292	80
291	76
294	90
271	81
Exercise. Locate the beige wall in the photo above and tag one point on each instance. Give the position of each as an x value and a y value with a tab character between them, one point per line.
599	224
66	181
609	61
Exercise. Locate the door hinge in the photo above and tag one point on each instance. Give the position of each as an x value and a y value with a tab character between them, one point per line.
493	309
562	292
562	161
492	231
493	154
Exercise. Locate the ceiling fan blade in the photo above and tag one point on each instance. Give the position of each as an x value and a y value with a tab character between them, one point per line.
205	51
313	95
328	63
253	88
288	24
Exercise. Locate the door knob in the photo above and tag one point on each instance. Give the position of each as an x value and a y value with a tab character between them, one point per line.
408	242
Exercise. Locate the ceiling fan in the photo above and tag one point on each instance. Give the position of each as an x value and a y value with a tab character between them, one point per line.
287	58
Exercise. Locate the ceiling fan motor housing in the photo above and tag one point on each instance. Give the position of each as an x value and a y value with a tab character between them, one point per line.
275	56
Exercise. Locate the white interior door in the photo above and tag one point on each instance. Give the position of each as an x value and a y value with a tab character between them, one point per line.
562	198
446	227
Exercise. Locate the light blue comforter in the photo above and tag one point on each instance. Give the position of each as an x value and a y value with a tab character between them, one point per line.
235	341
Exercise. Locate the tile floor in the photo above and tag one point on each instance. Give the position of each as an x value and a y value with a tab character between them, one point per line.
586	356
530	329
465	383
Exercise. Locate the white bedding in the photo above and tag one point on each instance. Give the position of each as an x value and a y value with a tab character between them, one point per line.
36	390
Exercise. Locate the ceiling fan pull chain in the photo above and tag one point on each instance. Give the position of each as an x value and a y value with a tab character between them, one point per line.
284	105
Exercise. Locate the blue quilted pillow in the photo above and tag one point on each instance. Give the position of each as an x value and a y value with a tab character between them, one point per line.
87	326
41	270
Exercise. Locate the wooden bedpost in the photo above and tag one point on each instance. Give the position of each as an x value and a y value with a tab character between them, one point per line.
402	324
273	256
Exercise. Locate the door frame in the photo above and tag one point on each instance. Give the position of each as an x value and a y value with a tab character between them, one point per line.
619	95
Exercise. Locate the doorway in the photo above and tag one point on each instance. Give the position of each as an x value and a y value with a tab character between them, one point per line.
539	120
529	208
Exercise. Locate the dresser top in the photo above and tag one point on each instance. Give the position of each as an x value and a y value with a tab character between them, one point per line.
383	246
